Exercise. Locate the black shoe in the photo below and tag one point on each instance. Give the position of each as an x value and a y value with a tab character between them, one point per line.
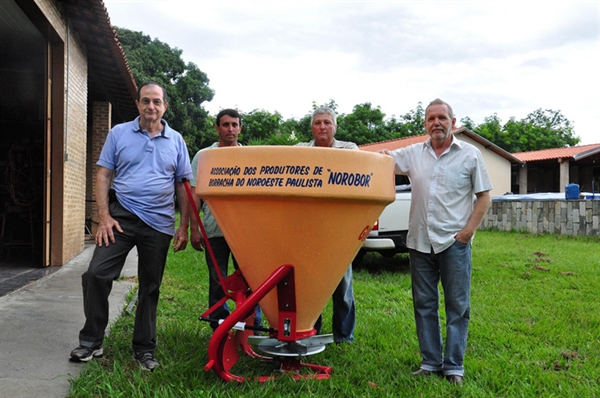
146	360
84	354
455	379
426	373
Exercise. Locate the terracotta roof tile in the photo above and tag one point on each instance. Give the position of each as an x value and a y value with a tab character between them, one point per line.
395	144
402	142
555	153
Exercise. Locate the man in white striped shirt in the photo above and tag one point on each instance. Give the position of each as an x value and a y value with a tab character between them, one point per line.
445	174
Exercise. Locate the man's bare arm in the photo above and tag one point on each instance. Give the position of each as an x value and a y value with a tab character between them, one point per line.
105	234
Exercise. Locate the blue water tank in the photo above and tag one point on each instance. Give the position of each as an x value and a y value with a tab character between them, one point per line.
572	191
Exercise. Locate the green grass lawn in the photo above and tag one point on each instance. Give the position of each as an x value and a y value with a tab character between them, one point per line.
534	332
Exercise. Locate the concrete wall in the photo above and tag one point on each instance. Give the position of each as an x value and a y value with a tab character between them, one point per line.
567	217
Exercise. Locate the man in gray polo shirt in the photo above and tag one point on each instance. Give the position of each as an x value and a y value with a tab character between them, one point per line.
229	127
323	127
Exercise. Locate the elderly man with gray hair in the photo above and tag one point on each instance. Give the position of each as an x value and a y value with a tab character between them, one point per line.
324	126
446	175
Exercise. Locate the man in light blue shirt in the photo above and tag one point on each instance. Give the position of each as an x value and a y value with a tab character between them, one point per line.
146	161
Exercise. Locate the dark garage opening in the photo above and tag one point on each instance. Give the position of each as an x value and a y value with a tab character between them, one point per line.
22	115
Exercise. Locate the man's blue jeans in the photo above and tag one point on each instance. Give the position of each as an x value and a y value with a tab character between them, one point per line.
344	310
453	268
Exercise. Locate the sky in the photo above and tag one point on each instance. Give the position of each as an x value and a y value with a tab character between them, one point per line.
485	58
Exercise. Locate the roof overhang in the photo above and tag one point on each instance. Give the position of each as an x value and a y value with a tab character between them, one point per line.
586	154
109	76
488	145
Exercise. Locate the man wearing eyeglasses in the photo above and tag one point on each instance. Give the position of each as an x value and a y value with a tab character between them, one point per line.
146	161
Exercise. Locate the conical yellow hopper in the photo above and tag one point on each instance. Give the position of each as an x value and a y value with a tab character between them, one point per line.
305	206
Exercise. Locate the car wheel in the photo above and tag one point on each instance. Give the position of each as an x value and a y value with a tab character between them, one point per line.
388	253
358	258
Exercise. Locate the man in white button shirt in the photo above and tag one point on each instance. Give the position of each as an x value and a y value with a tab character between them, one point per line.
446	174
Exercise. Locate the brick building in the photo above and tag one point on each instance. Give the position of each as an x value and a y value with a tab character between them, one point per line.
64	81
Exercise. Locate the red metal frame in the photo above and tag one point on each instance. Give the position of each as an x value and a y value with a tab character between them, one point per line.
226	342
224	345
188	190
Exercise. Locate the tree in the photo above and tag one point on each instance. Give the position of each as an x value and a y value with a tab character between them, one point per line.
468	123
298	130
492	130
413	122
186	85
259	124
549	129
261	127
331	104
539	130
364	125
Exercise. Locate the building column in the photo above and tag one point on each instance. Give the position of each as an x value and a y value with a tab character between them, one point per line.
101	124
523	179
564	174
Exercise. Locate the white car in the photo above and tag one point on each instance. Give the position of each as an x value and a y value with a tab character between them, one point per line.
388	236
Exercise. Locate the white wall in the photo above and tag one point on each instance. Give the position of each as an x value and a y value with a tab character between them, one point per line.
498	168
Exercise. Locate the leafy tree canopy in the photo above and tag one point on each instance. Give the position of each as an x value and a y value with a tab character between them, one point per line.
186	85
367	124
541	129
